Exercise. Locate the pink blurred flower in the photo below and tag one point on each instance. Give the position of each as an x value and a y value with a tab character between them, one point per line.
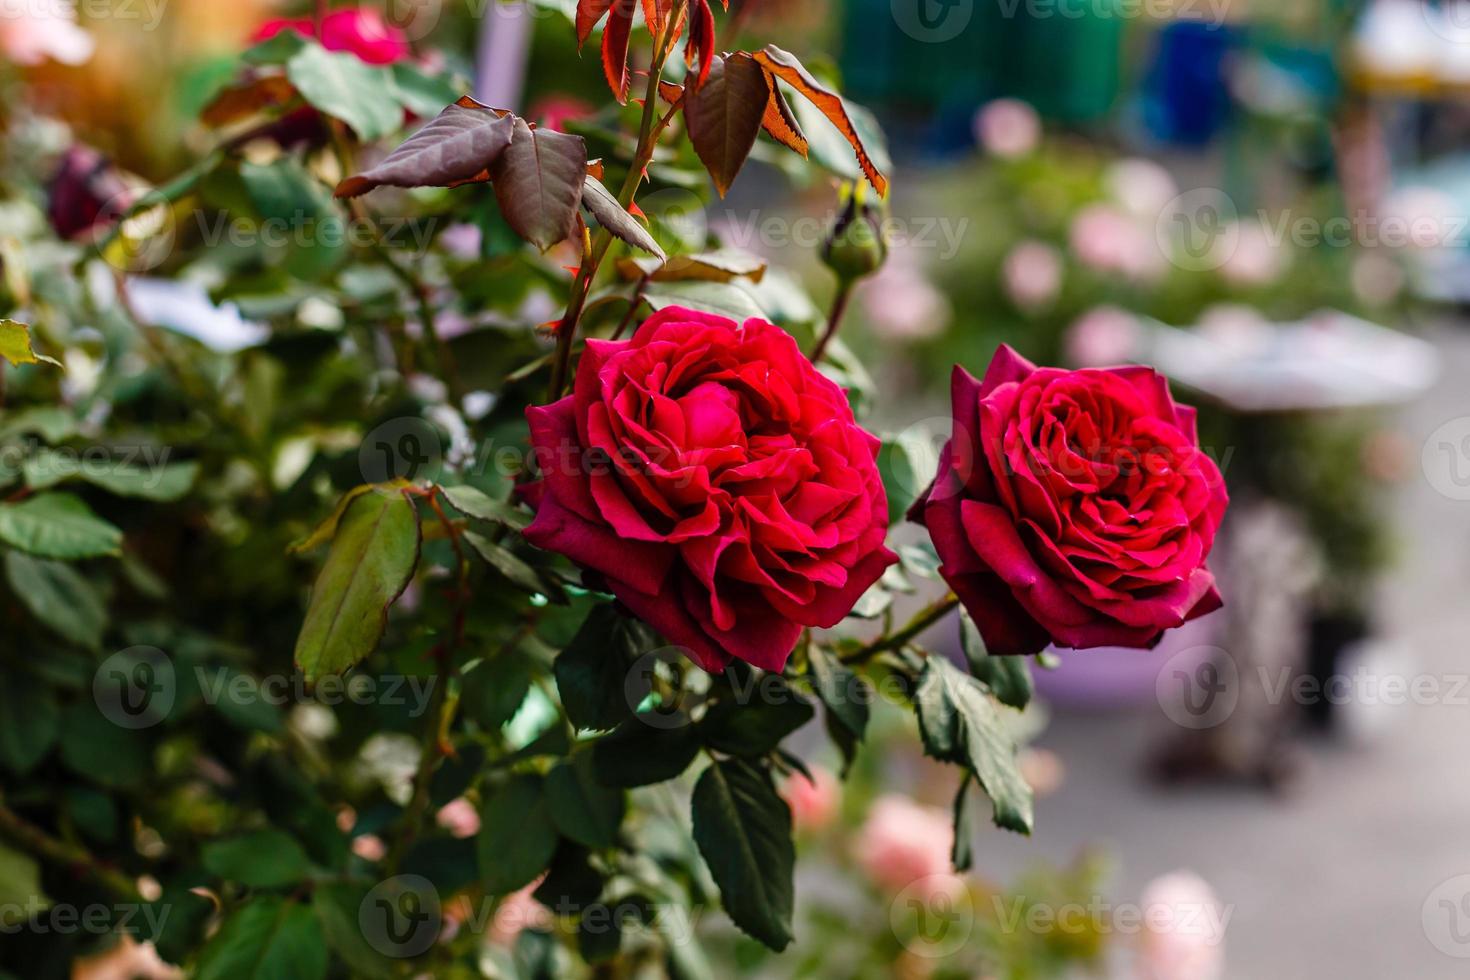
1141	187
1102	337
516	912
360	30
460	818
1032	273
903	844
901	302
369	847
1255	260
33	30
1108	240
1007	128
1184	930
1042	769
128	960
555	111
813	801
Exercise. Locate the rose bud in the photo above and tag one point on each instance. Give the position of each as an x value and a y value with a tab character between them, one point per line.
85	191
857	246
1073	508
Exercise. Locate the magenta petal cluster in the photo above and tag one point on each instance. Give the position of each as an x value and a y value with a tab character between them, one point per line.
1073	508
715	482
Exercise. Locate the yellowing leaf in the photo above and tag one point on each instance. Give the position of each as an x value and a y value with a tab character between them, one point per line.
15	345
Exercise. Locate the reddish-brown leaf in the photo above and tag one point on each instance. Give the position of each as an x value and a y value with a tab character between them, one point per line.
779	122
701	39
615	47
611	215
594	168
245	99
458	146
656	14
783	65
723	115
670	92
538	183
589	12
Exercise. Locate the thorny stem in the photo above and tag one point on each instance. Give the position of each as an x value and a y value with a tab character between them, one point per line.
834	318
897	641
36	841
651	127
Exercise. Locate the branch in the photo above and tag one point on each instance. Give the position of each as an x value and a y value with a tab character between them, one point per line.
897	641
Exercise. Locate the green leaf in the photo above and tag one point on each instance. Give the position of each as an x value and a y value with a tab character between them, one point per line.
96	749
743	830
960	722
755	726
58	525
338	908
517	838
341	85
724	115
644	750
612	216
592	671
275	50
372	558
845	694
15	345
721	298
32	722
456	147
477	504
421	93
1007	677
538	183
263	859
164	484
507	563
494	689
20	887
268	938
962	854
902	479
58	596
583	809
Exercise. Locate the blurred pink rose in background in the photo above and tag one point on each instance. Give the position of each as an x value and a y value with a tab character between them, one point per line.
555	111
128	960
1256	260
369	847
901	302
1108	240
360	30
1007	128
32	31
1032	274
1141	187
517	911
1184	930
460	818
903	843
1102	337
814	801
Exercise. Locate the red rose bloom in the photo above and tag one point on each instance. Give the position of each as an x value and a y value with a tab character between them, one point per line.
714	482
360	30
1073	507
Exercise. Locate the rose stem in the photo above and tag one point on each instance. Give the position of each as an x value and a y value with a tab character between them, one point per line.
834	319
901	639
648	134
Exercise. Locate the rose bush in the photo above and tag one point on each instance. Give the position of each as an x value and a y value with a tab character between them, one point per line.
715	482
1073	507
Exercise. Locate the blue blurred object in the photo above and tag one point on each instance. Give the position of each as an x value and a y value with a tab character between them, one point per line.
1185	98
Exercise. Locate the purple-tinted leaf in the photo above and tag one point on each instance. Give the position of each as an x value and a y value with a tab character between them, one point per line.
538	182
457	147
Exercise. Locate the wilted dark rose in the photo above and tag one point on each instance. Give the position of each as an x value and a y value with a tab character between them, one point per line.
1073	507
85	191
715	482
